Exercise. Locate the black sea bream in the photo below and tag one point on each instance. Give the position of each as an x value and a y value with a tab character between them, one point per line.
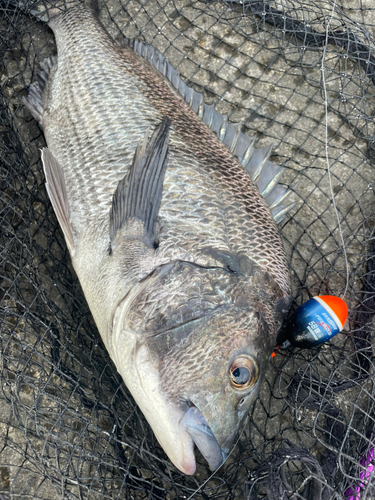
176	249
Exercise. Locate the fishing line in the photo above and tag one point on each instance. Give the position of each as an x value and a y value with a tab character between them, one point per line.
334	205
326	149
335	208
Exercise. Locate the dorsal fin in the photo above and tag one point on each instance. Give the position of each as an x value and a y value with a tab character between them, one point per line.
255	161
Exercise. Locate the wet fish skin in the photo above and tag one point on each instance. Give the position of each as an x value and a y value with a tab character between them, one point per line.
178	305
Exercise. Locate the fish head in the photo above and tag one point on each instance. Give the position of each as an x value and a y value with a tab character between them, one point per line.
192	346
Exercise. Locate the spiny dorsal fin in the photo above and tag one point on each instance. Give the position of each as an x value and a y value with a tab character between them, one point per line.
34	99
56	189
138	194
255	161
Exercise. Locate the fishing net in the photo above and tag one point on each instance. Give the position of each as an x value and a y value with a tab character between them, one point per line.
299	75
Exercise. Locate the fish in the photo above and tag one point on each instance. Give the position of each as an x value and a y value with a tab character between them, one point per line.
169	214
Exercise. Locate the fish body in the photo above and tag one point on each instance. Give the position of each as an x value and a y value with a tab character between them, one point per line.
176	250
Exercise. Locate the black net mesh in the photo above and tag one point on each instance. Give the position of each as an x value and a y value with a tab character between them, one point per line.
300	75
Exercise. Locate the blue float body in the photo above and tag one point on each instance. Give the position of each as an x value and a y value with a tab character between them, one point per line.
309	326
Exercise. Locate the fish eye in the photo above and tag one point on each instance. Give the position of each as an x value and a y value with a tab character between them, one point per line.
243	372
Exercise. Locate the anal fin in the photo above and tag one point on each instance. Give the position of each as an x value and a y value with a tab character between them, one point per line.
138	194
34	99
56	189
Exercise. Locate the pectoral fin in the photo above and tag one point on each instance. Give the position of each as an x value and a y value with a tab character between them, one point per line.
56	189
138	194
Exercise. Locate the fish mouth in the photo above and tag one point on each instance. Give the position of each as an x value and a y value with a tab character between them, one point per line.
195	424
177	429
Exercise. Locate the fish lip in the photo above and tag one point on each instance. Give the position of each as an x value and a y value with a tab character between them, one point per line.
196	426
141	378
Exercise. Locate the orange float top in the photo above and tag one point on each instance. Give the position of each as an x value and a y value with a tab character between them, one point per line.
337	306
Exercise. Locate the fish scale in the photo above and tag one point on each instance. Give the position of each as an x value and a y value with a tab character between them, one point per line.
75	82
105	146
177	252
